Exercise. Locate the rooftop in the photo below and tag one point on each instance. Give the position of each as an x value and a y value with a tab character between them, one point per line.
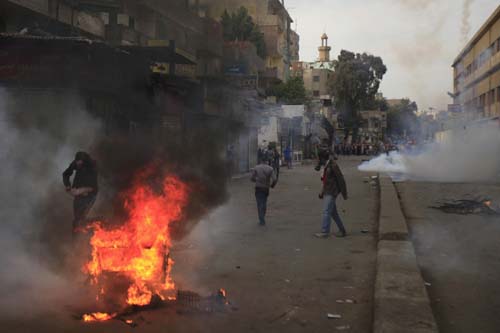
489	22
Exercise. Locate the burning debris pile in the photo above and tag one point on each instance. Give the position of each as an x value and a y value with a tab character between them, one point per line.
468	206
130	264
137	252
184	302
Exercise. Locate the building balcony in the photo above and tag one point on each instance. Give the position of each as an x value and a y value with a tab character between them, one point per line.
95	5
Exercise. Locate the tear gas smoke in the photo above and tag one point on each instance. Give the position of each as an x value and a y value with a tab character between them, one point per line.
31	161
466	155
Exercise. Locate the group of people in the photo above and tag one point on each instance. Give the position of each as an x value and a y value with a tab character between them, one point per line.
333	183
360	149
84	187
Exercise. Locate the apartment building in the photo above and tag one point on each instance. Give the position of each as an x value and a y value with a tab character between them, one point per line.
476	72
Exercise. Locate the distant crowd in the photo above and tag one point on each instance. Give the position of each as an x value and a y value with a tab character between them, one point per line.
363	148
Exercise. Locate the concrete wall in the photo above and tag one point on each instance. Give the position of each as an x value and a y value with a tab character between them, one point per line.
291	111
268	132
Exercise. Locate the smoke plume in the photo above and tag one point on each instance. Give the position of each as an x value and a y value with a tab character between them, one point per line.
465	29
466	155
41	131
38	138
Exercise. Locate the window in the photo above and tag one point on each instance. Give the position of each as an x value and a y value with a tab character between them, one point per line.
491	97
482	100
316	93
468	71
316	78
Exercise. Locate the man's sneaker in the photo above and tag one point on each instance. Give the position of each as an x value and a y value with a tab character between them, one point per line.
322	235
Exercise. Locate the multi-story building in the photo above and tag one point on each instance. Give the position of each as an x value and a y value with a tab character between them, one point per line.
273	20
317	74
476	72
184	91
373	125
123	22
294	46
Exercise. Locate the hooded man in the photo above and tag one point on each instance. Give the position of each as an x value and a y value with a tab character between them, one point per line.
83	188
333	185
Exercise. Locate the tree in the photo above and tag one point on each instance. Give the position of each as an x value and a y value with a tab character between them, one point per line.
354	84
402	119
292	92
239	26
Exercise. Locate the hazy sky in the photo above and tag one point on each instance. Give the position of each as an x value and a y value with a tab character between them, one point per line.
417	39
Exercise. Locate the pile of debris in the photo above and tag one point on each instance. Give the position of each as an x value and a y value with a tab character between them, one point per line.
468	206
185	302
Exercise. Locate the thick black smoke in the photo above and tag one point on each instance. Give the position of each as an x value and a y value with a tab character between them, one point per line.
41	131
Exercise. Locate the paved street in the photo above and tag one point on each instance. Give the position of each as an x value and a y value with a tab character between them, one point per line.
279	278
458	254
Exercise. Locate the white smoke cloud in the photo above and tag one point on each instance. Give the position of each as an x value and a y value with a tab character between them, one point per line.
467	155
41	131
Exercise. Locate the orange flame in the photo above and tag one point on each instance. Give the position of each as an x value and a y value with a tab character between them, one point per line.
139	249
97	316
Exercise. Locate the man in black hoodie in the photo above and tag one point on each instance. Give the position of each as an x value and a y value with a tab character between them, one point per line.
84	187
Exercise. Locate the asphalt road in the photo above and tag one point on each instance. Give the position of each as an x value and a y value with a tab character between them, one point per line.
459	255
278	278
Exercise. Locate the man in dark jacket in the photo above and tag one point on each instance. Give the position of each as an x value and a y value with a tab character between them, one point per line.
333	185
84	187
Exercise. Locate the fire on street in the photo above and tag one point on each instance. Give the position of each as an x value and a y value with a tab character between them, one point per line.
277	278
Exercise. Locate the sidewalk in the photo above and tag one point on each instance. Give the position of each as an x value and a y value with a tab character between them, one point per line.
401	300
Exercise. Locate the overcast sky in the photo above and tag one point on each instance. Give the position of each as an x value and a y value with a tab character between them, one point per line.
417	39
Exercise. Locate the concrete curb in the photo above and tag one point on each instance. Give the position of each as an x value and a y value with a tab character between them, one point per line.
401	303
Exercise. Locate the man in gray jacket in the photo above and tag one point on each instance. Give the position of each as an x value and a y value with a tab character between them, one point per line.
264	178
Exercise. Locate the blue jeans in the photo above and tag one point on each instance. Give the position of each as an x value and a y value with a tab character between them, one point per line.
329	212
261	195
